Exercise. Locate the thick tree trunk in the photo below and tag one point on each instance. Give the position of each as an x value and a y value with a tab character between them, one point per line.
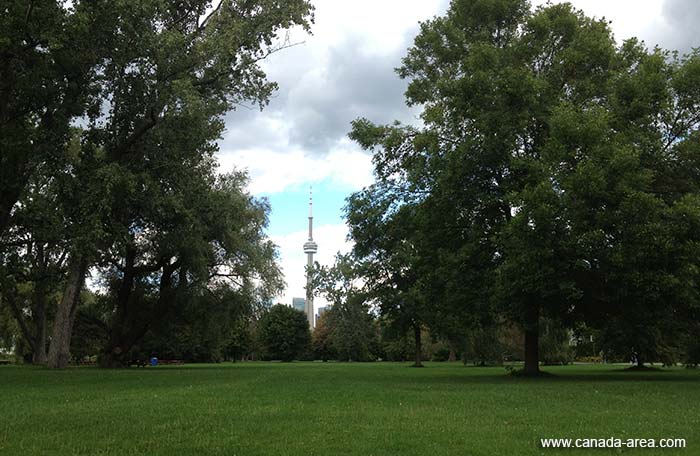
418	354
40	357
532	336
59	351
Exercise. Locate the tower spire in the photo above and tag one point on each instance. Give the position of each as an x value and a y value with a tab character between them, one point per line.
311	213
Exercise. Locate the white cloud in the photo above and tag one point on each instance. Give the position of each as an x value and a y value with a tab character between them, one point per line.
274	171
330	239
379	24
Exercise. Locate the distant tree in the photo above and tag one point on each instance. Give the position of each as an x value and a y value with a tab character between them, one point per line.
389	252
205	327
34	255
284	333
690	345
9	333
321	339
555	343
351	332
484	345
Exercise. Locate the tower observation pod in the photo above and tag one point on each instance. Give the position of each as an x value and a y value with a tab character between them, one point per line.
310	247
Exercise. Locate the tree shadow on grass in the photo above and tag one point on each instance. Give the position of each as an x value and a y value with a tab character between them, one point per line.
468	376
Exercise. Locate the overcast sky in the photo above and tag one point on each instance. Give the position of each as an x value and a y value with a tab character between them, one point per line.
345	70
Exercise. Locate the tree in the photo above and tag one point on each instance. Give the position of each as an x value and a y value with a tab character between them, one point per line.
321	339
202	329
284	333
389	255
547	158
166	81
348	328
210	238
34	257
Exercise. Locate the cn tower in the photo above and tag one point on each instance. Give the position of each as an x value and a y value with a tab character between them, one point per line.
310	248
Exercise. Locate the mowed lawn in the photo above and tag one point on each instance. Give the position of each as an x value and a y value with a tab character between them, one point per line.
333	408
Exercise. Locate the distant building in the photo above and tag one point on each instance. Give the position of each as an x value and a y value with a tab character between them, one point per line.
299	304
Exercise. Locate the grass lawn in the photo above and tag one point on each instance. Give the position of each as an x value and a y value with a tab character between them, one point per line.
329	409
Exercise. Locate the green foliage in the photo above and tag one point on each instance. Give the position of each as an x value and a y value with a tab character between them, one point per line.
396	344
348	330
555	343
205	328
321	339
484	346
284	333
90	329
551	179
134	190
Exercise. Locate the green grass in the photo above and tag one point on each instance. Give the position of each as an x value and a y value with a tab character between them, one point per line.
332	409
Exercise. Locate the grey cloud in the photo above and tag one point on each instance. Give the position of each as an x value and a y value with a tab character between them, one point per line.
681	18
354	84
318	100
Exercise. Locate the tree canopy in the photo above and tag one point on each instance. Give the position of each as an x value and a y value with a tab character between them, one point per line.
545	181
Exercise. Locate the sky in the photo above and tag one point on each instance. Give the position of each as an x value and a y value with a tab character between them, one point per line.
345	70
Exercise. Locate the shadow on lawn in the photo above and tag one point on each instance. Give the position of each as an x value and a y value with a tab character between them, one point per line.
434	373
468	376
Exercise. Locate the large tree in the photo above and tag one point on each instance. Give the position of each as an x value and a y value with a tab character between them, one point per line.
148	84
548	159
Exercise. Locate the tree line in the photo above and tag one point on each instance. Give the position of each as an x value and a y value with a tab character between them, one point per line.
550	191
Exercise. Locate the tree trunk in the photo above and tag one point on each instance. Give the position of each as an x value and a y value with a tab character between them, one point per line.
116	349
417	337
452	357
59	351
39	355
36	342
532	336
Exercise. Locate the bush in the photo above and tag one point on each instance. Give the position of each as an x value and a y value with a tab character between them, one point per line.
589	359
484	346
555	343
441	352
284	333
